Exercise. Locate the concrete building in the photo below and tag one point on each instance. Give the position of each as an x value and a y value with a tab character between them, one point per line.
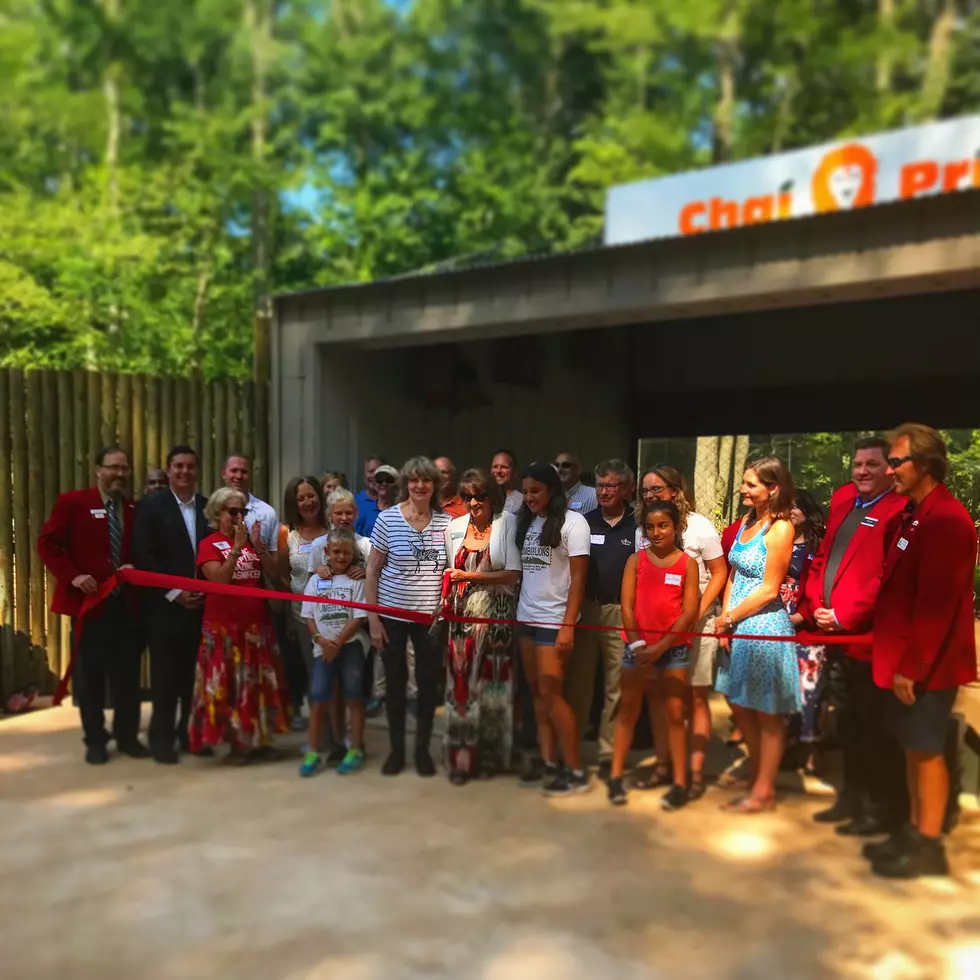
854	319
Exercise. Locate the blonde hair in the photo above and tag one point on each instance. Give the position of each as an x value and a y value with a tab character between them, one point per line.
926	447
421	468
339	496
218	501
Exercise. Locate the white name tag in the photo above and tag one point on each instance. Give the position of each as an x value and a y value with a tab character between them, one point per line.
598	539
672	578
304	549
222	546
644	543
324	585
902	544
99	513
575	505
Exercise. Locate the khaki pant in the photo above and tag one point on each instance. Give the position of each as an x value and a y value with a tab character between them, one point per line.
590	645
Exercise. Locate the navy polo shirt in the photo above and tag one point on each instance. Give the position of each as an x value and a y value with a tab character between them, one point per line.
612	546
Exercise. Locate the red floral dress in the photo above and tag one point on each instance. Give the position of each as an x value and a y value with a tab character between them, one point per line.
238	688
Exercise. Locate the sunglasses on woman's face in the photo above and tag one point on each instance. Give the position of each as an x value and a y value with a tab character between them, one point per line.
384	479
479	497
234	511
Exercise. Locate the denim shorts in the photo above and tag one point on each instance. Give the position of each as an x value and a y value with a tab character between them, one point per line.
348	665
542	636
673	658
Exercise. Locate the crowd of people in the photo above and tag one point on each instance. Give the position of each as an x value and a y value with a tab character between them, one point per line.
507	597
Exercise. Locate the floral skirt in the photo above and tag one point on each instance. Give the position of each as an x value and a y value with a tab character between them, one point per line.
238	688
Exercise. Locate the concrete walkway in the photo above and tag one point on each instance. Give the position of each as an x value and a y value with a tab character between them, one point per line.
134	870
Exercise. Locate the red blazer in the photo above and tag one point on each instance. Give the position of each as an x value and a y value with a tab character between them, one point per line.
855	587
923	622
75	541
728	537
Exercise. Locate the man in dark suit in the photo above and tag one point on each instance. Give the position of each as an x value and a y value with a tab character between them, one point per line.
924	641
87	537
170	525
839	596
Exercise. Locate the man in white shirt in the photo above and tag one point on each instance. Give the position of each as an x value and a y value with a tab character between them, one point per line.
580	498
237	474
503	469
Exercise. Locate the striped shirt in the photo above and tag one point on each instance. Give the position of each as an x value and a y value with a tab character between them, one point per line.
411	576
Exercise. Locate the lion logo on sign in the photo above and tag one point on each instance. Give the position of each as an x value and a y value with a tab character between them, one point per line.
845	179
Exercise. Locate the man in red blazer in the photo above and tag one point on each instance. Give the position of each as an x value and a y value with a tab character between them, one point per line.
839	596
924	642
86	538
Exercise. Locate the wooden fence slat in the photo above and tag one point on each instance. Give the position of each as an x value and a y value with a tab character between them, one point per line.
154	457
35	509
221	449
181	412
66	456
6	543
232	406
138	429
167	441
51	433
94	419
108	432
124	418
260	462
197	424
79	383
246	398
206	448
22	533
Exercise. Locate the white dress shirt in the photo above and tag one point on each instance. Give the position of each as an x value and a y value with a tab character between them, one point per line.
188	512
263	513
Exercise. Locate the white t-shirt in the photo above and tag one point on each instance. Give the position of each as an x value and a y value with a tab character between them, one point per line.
547	574
512	505
331	620
318	550
411	576
701	542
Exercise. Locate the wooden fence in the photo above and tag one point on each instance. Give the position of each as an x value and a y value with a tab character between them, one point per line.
52	423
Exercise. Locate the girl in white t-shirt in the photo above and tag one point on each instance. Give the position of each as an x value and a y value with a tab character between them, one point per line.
554	543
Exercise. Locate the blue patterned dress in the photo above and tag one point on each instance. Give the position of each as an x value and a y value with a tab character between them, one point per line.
759	674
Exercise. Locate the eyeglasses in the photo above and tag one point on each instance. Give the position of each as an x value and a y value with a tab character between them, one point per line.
384	479
467	497
600	487
649	490
234	511
895	461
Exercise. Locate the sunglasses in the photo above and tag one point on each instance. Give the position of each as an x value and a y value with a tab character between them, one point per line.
895	461
467	497
564	466
234	511
384	479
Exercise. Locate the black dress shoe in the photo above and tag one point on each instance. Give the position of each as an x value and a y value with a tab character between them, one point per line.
166	756
921	856
394	764
135	749
891	846
96	755
205	752
864	825
841	810
424	765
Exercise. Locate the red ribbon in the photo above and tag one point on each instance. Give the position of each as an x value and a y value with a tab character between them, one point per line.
156	580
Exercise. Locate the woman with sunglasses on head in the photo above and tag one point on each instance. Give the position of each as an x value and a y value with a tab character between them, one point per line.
702	543
238	690
486	567
760	678
555	543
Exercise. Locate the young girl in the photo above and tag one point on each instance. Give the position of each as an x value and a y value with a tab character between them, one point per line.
660	592
554	543
339	647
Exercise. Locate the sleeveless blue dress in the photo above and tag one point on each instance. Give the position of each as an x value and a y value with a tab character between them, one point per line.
759	674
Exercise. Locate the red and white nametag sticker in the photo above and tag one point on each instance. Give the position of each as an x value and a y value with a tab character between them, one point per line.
98	513
222	546
672	578
902	544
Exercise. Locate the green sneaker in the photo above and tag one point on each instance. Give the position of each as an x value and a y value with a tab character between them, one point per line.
311	764
353	762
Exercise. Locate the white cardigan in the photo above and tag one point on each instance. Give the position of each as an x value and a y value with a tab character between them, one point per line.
503	542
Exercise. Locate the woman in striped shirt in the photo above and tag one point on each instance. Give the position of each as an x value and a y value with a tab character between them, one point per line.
405	567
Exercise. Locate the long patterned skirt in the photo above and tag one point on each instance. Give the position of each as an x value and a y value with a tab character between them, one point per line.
479	683
238	688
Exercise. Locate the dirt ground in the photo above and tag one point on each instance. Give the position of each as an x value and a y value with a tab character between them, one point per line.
135	870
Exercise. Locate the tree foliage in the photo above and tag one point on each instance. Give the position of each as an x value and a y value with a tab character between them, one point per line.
166	166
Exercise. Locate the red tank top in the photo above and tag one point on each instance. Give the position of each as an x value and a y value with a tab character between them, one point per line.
659	596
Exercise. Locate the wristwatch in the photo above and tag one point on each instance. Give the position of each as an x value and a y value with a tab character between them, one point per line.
729	622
